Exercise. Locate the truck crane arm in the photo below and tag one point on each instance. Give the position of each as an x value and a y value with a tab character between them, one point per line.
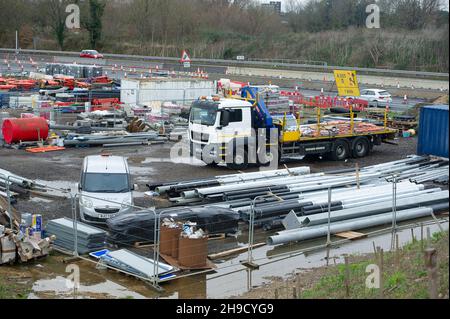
252	94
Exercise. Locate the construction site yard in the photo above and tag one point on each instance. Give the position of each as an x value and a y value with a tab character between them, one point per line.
153	165
45	278
244	151
280	268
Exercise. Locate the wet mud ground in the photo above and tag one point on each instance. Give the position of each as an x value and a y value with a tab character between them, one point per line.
46	278
152	164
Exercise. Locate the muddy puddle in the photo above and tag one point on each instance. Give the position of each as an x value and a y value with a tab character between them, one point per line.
61	288
178	154
47	278
175	160
61	189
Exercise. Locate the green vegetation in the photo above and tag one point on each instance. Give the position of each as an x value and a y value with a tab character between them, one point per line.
94	24
405	278
12	291
413	33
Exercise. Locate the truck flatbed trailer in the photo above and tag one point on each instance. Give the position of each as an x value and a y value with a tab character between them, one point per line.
235	126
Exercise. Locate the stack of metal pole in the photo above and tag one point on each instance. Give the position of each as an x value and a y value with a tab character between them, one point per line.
362	215
269	197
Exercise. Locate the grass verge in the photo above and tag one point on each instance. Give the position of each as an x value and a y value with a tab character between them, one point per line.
404	276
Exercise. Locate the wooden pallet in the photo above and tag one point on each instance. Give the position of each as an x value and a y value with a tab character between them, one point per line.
351	235
216	236
143	244
174	262
44	149
234	251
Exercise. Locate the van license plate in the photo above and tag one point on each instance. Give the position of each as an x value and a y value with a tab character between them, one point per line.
106	216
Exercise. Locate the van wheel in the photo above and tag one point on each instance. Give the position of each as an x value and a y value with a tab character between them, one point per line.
240	161
213	164
361	147
340	151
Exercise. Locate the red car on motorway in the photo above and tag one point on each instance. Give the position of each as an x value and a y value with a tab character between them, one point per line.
92	54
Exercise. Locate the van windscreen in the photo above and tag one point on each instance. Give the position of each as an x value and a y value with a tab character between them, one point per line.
106	183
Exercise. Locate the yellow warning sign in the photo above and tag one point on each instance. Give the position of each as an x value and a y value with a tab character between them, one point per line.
347	83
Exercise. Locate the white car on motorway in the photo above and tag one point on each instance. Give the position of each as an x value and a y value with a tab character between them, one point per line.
376	97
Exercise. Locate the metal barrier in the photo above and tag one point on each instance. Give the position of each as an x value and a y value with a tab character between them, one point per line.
155	280
198	61
290	61
75	200
7	181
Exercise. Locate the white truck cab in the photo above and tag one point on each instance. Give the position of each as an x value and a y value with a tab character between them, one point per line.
105	188
215	122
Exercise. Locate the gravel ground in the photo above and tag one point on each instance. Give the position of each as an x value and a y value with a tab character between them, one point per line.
150	165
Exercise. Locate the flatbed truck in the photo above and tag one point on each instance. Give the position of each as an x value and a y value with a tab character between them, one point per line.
240	131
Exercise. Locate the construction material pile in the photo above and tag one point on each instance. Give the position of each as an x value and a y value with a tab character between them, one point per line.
111	139
183	190
275	103
271	196
103	118
335	128
10	84
16	245
190	230
294	181
368	212
89	238
132	263
14	186
135	227
21	239
76	70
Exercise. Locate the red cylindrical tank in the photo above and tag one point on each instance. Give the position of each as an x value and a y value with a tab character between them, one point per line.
24	130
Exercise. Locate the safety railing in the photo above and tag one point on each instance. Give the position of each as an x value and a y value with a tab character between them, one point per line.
199	61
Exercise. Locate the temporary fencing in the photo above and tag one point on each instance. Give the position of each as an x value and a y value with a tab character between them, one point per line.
150	233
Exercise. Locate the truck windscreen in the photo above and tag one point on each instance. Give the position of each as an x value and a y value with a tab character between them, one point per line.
204	113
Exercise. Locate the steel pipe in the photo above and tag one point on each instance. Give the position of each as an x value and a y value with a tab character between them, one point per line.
354	224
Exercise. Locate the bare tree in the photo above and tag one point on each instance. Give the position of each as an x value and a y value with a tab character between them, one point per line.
53	13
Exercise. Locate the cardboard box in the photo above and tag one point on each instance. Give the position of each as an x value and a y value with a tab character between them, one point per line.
193	252
168	241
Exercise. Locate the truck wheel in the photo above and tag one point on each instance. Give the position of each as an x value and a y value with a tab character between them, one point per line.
213	164
340	151
271	157
240	162
360	147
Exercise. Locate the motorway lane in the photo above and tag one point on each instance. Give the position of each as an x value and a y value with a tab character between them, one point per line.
369	80
120	69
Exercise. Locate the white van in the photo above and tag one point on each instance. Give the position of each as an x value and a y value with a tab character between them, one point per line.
105	188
